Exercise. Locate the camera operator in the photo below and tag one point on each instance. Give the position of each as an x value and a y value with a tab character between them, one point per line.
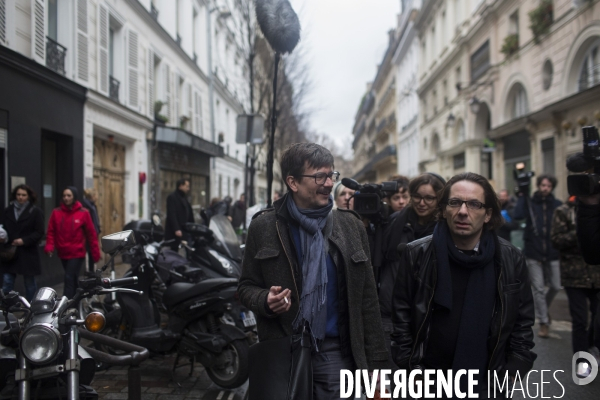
541	256
415	221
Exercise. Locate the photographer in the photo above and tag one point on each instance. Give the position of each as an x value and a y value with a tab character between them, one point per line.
541	256
415	221
588	228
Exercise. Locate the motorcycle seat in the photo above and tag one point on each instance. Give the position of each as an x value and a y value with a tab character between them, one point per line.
178	292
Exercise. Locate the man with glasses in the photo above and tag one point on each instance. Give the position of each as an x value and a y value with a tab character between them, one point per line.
307	265
462	298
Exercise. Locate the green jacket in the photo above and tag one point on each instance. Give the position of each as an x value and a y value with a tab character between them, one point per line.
270	260
574	272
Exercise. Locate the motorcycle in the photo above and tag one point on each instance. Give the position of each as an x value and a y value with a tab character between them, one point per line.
40	354
194	328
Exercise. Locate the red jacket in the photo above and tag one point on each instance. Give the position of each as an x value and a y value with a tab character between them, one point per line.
68	230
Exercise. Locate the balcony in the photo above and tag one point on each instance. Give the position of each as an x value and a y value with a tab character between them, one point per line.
113	90
154	12
388	151
55	56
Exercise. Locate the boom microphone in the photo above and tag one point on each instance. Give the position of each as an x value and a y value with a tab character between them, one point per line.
350	183
279	23
578	163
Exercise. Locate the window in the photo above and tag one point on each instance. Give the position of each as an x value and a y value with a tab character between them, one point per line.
445	92
520	106
480	61
460	131
547	74
457	74
52	15
459	160
548	155
513	23
590	68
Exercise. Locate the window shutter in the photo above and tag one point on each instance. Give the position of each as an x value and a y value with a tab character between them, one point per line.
103	32
3	32
151	84
38	31
198	113
82	41
176	93
189	102
167	107
132	69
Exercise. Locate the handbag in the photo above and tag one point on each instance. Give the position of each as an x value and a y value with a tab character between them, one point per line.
281	369
8	252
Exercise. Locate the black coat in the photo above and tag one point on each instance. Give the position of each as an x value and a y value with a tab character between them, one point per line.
179	211
511	337
538	247
30	228
588	232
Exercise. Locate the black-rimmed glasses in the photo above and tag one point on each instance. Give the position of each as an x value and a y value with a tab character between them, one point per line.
321	177
471	204
428	199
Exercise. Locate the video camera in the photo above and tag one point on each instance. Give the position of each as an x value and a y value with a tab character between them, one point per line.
588	161
523	178
368	201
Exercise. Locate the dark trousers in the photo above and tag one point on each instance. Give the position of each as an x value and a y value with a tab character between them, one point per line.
90	258
8	283
72	268
326	365
582	302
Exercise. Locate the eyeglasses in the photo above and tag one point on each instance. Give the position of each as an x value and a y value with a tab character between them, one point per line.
471	204
321	177
428	199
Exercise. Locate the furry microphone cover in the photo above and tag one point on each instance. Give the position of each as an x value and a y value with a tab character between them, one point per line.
279	23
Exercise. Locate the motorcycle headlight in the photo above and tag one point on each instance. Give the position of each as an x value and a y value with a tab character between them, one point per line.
224	262
41	343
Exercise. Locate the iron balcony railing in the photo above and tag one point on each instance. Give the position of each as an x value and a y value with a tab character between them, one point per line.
154	12
113	91
55	56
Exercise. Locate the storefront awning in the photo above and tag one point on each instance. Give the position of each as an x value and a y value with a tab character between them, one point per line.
184	138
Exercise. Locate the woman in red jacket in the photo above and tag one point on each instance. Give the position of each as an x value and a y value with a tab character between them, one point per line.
69	228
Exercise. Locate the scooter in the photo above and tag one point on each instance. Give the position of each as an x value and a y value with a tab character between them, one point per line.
194	327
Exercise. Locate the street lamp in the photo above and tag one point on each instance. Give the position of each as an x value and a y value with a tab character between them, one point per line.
451	122
474	105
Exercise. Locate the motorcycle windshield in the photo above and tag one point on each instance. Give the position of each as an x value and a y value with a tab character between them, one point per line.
224	232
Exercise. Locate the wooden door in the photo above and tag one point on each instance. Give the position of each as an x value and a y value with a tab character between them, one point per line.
109	181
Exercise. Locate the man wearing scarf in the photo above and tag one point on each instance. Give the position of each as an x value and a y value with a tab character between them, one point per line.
462	299
307	265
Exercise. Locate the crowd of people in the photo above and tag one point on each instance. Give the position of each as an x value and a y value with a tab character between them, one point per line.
452	291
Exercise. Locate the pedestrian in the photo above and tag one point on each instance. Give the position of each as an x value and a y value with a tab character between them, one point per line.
449	284
24	225
507	207
179	212
415	221
238	212
343	196
277	195
69	230
401	198
90	197
541	256
581	282
308	266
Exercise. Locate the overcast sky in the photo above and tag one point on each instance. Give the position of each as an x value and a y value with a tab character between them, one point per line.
343	41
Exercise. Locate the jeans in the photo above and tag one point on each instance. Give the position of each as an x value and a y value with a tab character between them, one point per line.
541	273
8	283
583	337
72	268
326	365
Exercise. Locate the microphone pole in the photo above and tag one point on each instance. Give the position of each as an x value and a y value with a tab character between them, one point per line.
270	159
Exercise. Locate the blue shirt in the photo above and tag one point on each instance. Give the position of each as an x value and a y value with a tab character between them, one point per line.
332	286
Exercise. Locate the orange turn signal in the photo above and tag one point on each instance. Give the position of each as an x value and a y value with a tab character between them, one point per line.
95	321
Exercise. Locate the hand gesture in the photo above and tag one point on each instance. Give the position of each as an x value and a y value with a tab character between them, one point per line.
279	301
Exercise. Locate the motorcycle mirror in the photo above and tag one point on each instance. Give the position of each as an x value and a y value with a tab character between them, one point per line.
111	244
156	220
95	321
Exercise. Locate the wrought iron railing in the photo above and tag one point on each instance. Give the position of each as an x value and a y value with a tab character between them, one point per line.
589	77
113	91
55	56
153	11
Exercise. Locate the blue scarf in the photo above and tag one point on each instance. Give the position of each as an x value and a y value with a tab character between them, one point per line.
313	299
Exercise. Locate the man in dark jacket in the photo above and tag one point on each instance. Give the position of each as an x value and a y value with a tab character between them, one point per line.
179	211
542	257
588	228
507	206
308	266
581	282
238	212
462	298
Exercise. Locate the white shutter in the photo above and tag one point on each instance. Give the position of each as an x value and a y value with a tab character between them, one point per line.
82	41
38	31
132	69
167	107
189	102
198	113
3	33
150	69
176	93
103	33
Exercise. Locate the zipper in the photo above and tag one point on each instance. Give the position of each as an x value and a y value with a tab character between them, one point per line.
501	314
424	320
289	260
